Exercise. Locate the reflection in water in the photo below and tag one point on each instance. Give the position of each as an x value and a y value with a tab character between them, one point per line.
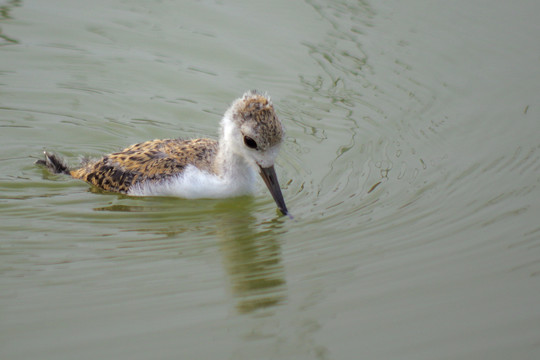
5	14
127	208
252	259
251	250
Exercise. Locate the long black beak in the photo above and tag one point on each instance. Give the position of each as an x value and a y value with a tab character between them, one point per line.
270	179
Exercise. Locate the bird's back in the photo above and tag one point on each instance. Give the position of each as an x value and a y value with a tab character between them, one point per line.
150	161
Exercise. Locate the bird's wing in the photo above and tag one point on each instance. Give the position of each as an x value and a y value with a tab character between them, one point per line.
154	160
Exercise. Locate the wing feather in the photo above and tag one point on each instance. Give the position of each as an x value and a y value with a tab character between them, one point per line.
155	160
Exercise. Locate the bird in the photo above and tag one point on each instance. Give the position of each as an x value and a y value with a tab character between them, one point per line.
249	142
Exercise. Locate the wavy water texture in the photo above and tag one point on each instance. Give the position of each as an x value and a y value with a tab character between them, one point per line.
390	158
411	166
377	121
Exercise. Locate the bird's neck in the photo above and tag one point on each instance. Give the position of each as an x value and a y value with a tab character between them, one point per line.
229	163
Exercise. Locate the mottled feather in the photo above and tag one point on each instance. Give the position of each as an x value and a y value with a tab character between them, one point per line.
150	161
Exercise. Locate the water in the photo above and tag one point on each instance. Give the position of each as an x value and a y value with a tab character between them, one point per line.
411	165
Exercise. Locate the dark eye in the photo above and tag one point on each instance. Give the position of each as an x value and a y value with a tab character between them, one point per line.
250	143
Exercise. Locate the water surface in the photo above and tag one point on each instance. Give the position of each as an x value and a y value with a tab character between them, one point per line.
411	165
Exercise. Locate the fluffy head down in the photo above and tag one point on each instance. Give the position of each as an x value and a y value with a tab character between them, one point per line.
251	135
255	117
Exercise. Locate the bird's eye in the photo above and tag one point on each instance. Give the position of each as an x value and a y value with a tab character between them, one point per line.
250	143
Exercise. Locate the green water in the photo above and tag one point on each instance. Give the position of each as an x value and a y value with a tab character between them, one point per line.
411	165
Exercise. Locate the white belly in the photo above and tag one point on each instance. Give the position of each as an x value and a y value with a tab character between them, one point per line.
193	183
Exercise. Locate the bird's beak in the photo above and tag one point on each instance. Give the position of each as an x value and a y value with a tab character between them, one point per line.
270	179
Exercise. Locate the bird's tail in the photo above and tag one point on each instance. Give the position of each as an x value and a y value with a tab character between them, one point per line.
55	164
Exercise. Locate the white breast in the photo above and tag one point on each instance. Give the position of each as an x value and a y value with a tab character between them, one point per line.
193	183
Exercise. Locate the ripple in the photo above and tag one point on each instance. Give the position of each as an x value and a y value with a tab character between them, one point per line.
344	111
378	156
411	166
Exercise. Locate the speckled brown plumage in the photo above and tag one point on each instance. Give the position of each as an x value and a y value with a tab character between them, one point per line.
150	161
257	117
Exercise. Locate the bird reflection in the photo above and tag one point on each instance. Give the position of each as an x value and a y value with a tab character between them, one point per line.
251	250
252	258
